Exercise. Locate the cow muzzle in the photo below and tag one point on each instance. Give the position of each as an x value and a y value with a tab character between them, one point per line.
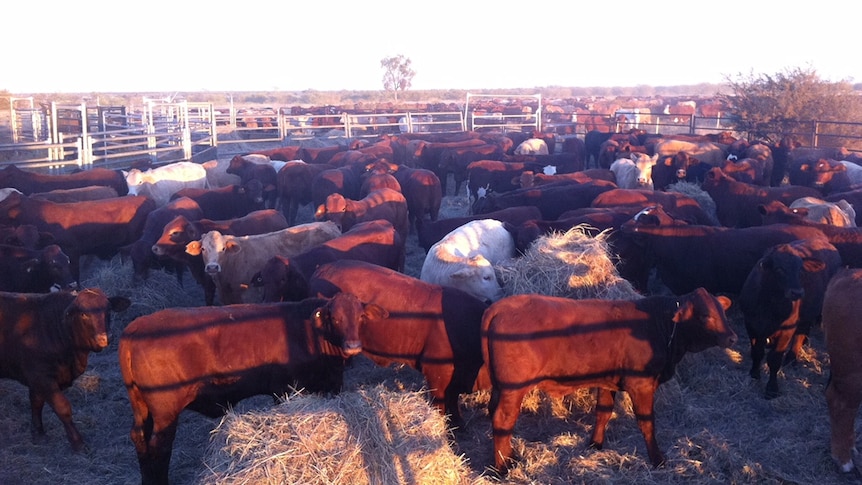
157	250
352	347
101	341
212	268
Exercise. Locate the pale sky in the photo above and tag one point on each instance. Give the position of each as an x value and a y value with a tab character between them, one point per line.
253	45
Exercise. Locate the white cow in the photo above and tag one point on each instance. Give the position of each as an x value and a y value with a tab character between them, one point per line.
7	191
231	261
217	175
162	182
839	213
854	171
634	173
532	146
464	258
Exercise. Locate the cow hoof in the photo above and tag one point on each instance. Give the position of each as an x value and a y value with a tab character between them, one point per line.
595	446
772	393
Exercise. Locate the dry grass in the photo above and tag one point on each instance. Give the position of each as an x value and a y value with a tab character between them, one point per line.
713	422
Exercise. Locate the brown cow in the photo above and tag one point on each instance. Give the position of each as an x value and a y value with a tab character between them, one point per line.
45	340
678	205
78	194
560	344
29	270
212	357
843	330
431	328
99	227
31	182
782	299
385	204
423	192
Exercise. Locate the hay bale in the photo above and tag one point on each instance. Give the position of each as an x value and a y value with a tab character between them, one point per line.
697	193
371	435
570	264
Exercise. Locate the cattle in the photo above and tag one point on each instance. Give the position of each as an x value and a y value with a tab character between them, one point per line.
140	251
79	194
217	175
28	270
706	152
294	186
633	174
843	330
848	240
181	231
372	181
423	192
736	203
422	154
266	174
680	167
853	197
319	155
7	191
496	176
231	261
465	258
839	213
560	344
226	202
286	278
428	233
431	328
45	340
284	154
679	206
345	180
532	146
162	182
530	179
551	163
31	182
552	200
210	358
24	235
746	170
831	176
457	161
732	251
385	204
781	300
576	146
97	227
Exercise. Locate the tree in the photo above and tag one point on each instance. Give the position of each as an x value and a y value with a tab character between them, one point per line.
769	106
397	74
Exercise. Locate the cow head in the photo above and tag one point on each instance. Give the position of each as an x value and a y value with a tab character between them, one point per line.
280	281
211	246
700	321
478	278
88	316
177	234
341	319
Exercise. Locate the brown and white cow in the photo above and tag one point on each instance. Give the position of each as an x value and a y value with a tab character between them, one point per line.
843	329
384	204
45	340
232	261
560	344
212	357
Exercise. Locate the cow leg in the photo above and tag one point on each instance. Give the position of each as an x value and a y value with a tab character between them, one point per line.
758	350
37	428
63	409
843	399
774	359
604	409
156	459
507	406
796	343
642	404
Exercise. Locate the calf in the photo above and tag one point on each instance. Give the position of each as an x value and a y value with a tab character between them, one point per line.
632	346
385	204
231	261
28	270
465	258
782	298
431	328
45	340
843	330
286	278
265	173
211	358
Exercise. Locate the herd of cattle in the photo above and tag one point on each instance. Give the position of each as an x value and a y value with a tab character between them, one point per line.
286	303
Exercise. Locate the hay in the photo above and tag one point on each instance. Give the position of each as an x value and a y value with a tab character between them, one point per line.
369	436
698	194
570	264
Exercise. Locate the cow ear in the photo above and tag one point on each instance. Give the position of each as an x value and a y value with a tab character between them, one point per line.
119	303
320	212
375	312
811	265
232	247
724	301
193	248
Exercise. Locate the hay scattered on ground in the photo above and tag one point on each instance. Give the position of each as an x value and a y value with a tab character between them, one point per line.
371	435
570	264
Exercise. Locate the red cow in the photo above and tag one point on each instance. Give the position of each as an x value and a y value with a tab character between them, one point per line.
248	170
716	258
99	227
31	182
736	203
385	204
678	205
431	328
632	346
847	240
843	330
423	192
286	278
24	235
45	340
213	357
28	270
79	194
226	202
319	155
457	160
552	200
282	154
496	176
345	180
782	298
294	186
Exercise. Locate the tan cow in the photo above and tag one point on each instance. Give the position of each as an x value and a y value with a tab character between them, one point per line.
232	260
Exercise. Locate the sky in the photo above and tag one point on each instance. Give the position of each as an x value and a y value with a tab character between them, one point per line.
330	45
